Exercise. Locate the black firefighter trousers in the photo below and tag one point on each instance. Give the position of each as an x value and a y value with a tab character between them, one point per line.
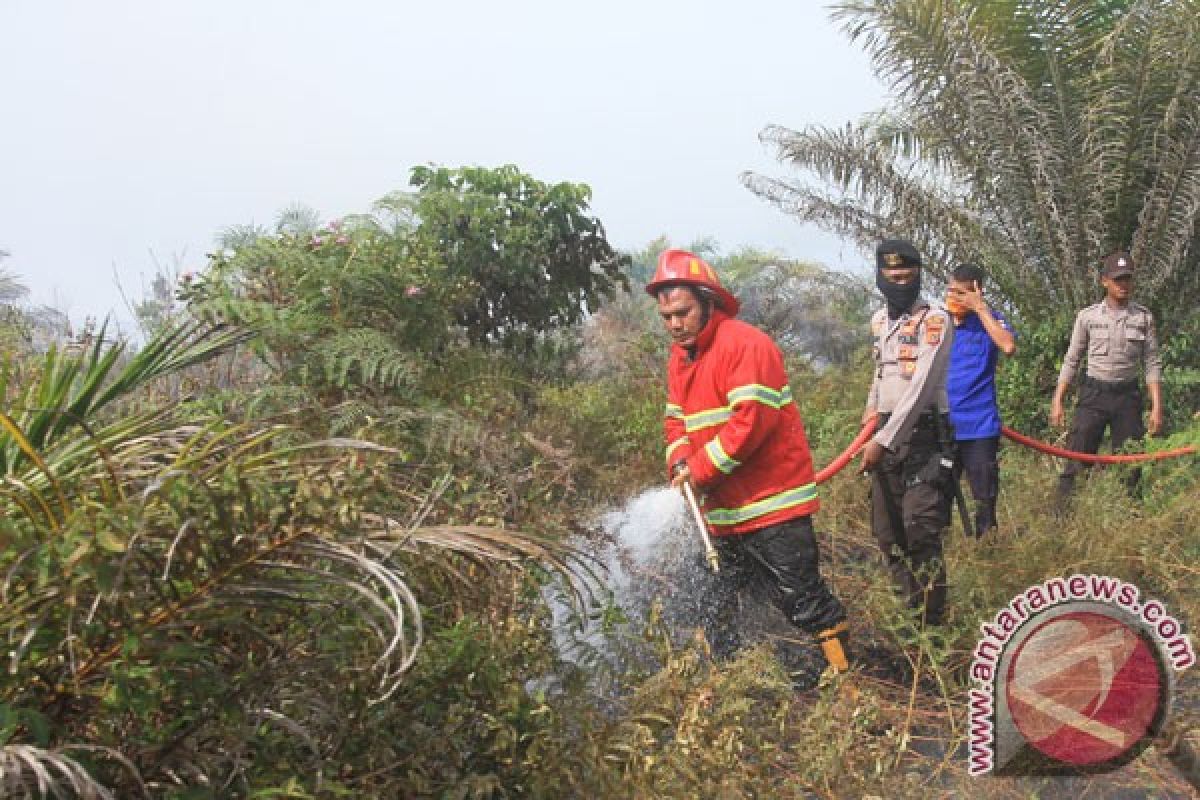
782	559
910	510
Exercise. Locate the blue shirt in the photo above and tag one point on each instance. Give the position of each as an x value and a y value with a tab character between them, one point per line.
971	381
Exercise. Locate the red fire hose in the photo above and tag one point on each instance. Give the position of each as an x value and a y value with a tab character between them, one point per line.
839	463
1091	458
848	454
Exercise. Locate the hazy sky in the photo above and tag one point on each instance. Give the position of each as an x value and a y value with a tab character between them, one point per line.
132	132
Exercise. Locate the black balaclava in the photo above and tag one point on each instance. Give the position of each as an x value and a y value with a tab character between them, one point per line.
900	297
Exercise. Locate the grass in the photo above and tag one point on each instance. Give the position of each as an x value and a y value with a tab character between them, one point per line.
496	474
904	735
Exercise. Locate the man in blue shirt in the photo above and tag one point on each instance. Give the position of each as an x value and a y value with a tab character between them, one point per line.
980	335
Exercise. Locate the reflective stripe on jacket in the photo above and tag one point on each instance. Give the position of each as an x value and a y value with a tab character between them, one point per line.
731	415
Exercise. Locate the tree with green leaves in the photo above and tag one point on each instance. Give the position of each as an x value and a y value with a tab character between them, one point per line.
1034	137
347	303
474	255
523	256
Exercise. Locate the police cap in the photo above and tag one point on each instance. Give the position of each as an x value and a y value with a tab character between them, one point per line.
1116	265
896	253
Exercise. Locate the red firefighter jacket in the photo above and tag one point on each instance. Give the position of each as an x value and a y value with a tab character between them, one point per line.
730	414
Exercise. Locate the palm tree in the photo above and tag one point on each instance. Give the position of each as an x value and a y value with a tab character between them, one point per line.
1035	137
176	582
22	326
12	291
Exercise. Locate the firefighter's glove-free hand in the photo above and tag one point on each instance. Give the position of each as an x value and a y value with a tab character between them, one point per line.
680	474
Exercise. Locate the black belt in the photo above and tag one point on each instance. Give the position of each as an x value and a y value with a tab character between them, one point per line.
1112	386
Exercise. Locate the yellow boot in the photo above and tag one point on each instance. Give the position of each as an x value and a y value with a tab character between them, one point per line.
832	640
833	646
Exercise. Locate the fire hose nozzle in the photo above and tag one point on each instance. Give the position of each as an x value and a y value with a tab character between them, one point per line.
710	552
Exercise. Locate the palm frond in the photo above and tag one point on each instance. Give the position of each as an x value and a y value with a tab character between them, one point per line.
298	220
489	546
236	237
1166	231
1166	235
1033	137
34	773
877	195
204	553
72	389
1004	138
805	309
216	564
12	291
397	211
1127	89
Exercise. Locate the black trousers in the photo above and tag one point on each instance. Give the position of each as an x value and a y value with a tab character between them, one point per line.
910	511
977	458
1113	406
781	559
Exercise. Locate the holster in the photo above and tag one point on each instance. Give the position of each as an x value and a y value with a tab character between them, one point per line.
937	471
947	453
931	453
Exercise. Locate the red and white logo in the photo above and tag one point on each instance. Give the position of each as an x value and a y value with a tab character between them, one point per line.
1075	674
1084	688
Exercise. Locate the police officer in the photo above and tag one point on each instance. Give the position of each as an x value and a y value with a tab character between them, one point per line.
1118	337
910	455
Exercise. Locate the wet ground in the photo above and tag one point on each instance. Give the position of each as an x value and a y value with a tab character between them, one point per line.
651	558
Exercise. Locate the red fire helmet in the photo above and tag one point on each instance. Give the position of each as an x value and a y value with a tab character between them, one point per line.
681	268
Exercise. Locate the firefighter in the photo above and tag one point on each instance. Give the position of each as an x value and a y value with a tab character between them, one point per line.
1118	337
734	433
910	457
